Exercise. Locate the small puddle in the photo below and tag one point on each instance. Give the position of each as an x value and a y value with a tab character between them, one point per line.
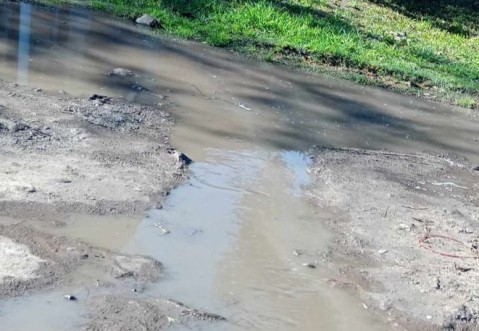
44	311
111	232
227	237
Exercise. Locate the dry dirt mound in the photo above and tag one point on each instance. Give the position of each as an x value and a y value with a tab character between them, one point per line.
408	225
83	155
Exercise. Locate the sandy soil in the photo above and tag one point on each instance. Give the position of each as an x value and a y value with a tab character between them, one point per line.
407	233
61	156
16	261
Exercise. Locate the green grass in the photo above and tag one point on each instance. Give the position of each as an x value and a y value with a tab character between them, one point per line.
406	45
466	102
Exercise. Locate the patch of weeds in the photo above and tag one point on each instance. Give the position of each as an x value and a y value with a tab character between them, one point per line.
467	102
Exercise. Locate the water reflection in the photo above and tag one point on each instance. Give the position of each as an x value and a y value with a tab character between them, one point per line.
24	43
202	218
232	231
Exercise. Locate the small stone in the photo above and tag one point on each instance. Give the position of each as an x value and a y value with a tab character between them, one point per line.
121	72
29	188
184	159
310	265
148	20
436	283
297	252
403	226
70	297
101	98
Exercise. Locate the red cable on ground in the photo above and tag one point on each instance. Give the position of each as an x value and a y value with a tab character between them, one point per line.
428	236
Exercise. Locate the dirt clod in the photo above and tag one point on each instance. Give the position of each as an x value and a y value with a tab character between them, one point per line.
70	297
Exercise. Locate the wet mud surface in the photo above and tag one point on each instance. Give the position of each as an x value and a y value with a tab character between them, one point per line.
61	257
407	231
123	313
113	298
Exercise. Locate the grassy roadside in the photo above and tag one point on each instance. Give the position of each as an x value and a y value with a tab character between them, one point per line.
406	45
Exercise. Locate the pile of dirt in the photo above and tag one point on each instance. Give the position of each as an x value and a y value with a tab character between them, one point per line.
407	230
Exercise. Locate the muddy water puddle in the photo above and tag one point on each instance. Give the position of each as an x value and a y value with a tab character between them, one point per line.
233	232
227	237
93	229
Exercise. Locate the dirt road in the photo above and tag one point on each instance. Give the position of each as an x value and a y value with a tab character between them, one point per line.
406	232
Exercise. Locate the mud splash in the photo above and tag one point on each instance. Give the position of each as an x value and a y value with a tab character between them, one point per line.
240	239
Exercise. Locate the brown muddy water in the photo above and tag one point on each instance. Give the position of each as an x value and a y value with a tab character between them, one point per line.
226	237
